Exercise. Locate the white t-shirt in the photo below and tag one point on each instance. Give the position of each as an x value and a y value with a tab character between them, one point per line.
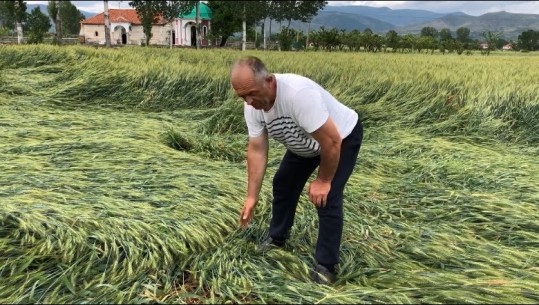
301	107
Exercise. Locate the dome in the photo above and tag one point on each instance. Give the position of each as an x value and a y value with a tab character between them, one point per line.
205	12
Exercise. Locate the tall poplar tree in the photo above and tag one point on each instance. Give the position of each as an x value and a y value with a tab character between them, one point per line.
148	13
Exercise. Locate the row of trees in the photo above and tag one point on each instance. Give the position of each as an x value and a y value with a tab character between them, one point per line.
368	41
234	16
229	17
428	40
529	40
14	17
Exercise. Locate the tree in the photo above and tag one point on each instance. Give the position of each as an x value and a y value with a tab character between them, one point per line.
446	40
429	31
459	46
71	18
244	28
230	17
37	25
408	42
295	10
286	38
148	13
52	9
304	11
426	43
392	40
264	10
277	11
55	13
353	40
463	34
377	42
6	20
252	11
288	10
491	39
272	12
15	14
107	23
59	33
226	21
367	40
445	35
528	40
327	39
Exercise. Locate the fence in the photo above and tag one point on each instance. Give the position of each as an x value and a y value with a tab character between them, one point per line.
46	40
249	45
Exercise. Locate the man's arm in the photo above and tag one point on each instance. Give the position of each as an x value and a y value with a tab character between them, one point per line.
257	160
330	150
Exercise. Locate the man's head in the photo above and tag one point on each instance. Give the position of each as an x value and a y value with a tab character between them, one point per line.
252	82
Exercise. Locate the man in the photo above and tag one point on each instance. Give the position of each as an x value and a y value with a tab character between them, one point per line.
318	131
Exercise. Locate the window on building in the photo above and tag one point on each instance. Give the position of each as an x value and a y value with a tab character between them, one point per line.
204	31
96	34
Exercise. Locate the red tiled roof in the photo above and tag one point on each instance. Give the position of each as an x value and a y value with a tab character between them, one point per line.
118	16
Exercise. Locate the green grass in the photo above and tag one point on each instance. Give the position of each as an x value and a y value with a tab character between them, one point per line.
125	187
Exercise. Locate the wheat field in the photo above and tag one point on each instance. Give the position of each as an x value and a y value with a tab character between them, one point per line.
123	174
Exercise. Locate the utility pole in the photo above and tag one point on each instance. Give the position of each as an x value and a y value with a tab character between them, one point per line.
107	23
18	22
197	21
59	36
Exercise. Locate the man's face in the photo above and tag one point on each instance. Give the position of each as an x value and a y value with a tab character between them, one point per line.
254	92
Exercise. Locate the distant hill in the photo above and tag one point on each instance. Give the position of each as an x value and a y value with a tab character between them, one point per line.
382	19
43	8
348	22
398	17
511	25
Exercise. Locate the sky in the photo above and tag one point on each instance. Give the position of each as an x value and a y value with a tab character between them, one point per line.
473	8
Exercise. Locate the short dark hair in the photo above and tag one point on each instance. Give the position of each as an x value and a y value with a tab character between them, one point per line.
257	66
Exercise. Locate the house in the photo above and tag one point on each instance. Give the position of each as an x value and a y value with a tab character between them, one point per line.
126	28
184	27
507	47
483	46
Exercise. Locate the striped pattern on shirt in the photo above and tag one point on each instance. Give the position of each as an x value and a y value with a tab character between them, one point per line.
293	137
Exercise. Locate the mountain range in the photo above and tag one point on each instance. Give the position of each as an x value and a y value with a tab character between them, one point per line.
382	19
43	8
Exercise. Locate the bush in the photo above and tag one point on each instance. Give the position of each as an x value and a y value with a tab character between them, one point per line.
286	38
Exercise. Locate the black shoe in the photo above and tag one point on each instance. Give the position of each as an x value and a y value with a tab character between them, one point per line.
269	244
322	275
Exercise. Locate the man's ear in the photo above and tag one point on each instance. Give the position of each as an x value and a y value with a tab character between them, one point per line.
270	78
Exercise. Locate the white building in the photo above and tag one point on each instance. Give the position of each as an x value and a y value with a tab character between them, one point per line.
126	28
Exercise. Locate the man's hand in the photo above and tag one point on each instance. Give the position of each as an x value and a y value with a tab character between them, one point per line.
247	212
318	192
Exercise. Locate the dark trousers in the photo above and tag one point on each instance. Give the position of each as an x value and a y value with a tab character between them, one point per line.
288	184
